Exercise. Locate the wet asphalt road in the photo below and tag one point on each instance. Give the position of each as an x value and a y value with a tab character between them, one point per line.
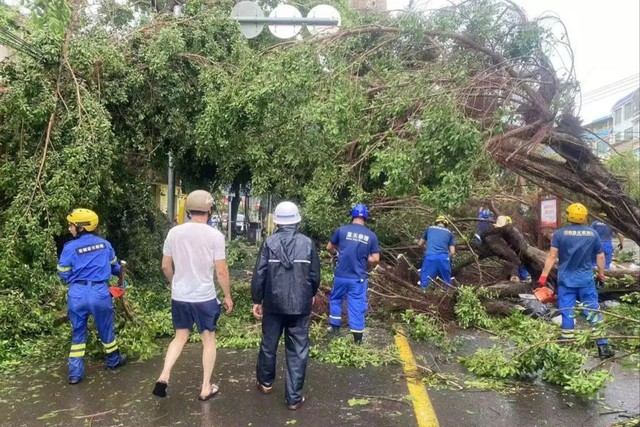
123	398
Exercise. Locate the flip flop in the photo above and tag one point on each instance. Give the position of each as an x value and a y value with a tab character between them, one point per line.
214	390
160	389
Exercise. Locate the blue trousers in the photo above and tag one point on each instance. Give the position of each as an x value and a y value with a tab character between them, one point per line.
433	266
607	248
91	299
355	291
567	298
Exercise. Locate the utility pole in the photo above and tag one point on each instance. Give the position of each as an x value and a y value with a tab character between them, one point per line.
171	179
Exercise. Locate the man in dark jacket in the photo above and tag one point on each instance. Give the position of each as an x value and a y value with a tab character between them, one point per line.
285	281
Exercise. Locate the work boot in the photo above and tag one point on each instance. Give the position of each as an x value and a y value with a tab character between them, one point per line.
121	362
74	380
357	337
605	351
333	331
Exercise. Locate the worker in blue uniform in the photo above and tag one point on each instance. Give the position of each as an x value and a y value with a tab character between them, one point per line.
440	247
485	217
606	234
574	247
86	264
355	245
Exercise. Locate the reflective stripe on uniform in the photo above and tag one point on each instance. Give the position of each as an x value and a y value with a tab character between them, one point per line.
77	353
357	332
335	317
80	346
113	261
111	347
305	261
63	269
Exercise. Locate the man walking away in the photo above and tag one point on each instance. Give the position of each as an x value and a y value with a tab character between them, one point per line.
192	251
440	247
606	233
355	245
284	284
574	247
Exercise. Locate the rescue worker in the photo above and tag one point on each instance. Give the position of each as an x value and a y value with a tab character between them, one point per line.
192	252
354	245
440	247
574	246
86	264
606	233
485	217
284	284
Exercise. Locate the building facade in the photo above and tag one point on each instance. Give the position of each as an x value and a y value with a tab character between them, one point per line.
599	134
618	132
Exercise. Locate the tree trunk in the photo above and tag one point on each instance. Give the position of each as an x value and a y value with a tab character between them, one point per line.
585	175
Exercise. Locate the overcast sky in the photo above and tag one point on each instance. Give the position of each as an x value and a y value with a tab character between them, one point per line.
605	36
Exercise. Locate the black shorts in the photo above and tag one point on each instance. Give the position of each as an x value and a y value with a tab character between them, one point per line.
204	314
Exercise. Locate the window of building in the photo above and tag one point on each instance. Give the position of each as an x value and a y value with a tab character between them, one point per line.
628	134
617	116
629	110
602	148
617	137
636	152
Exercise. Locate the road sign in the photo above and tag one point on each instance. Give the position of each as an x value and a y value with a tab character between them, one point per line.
285	21
323	11
248	9
285	31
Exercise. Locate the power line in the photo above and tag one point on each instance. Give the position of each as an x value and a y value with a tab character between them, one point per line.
613	89
604	88
613	93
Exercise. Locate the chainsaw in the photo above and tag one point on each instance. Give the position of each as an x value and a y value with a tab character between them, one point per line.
119	291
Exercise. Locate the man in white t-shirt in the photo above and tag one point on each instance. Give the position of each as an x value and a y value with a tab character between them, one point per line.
192	252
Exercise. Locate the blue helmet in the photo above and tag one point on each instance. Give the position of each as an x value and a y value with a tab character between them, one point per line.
484	214
360	211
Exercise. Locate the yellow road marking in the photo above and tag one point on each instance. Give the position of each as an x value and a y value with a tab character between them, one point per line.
425	415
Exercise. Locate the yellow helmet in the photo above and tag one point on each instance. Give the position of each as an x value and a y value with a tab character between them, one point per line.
442	219
84	218
577	213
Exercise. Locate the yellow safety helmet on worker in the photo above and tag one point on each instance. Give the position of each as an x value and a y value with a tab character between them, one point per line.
84	218
441	219
577	213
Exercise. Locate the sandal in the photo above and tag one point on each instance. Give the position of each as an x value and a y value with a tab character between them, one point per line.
160	389
214	390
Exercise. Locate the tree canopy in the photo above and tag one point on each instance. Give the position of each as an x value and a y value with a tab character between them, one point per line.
410	112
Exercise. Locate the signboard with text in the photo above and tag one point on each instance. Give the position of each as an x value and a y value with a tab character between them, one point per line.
549	213
549	218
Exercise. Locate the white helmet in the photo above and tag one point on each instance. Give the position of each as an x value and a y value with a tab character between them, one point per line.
286	213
